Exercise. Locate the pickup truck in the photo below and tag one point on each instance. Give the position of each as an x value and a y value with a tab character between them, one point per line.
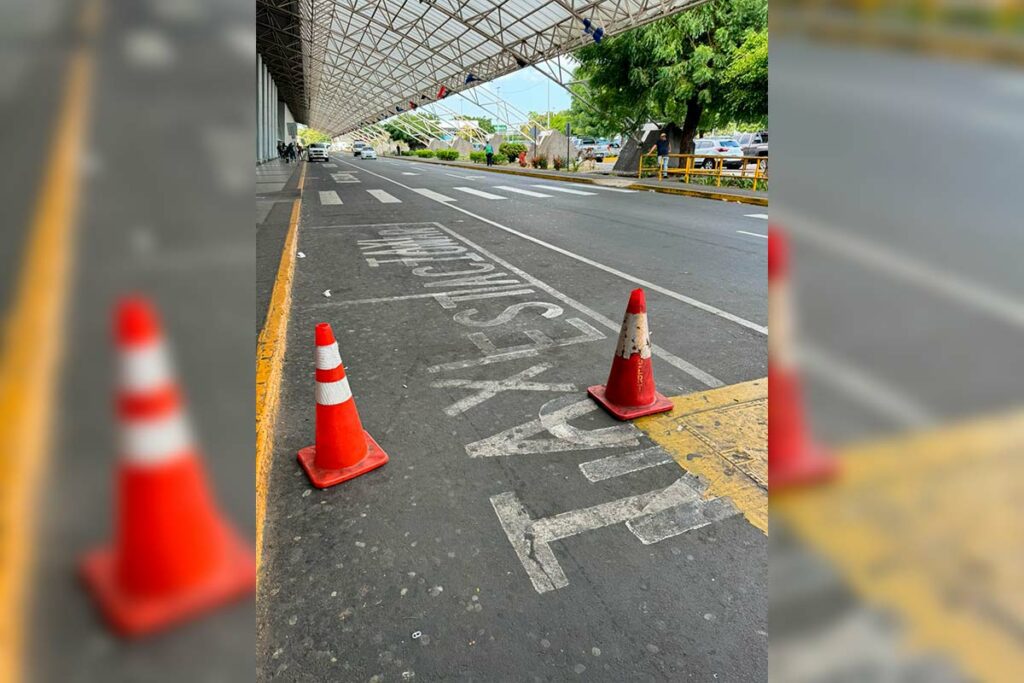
755	145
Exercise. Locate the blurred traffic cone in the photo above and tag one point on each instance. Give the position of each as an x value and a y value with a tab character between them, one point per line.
630	390
173	554
794	458
343	450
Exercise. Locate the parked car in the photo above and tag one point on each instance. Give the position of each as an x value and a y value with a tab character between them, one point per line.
318	151
755	145
368	153
707	150
358	147
591	147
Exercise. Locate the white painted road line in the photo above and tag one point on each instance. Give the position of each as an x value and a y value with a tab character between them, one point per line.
565	190
624	463
752	234
849	247
384	198
460	177
329	197
408	173
478	193
430	194
762	216
528	193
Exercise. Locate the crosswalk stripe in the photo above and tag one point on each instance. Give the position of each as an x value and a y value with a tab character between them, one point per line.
762	216
430	194
384	198
518	190
329	197
408	173
563	189
478	193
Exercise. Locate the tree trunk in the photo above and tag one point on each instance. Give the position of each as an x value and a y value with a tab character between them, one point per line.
694	109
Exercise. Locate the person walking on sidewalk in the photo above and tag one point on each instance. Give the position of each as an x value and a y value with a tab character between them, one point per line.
661	145
281	151
489	151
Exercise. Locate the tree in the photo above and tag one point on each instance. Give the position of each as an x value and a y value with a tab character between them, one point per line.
693	67
308	136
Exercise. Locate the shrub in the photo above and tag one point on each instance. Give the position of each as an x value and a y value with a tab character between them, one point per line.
447	154
557	163
511	150
478	157
540	162
408	153
425	153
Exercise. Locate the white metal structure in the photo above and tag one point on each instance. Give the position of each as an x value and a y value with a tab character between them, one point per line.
349	63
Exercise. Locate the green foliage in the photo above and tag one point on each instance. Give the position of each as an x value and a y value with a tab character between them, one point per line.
511	150
424	153
700	61
478	157
308	136
557	163
408	153
447	154
485	124
539	161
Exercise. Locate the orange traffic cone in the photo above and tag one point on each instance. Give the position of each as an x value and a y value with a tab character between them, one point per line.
630	391
173	555
343	450
794	458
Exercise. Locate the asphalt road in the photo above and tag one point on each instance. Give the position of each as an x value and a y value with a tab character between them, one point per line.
407	571
909	290
165	215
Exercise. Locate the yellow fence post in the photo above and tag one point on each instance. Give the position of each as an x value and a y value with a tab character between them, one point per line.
689	165
718	168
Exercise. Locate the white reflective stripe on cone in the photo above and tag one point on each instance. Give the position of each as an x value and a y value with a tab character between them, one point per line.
327	357
155	441
634	337
333	393
145	368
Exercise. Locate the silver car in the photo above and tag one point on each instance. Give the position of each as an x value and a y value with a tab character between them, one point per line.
707	151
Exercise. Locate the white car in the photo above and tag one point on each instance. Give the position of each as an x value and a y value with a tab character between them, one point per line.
368	153
717	147
318	151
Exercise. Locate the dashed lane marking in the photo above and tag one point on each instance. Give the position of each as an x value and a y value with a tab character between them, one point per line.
430	194
478	193
762	216
384	198
329	198
721	436
612	189
409	173
566	190
519	190
752	234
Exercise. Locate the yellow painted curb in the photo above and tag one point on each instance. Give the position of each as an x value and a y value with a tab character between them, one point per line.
721	435
270	350
929	526
33	349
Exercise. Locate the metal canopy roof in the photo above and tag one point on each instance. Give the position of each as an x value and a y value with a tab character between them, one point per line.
348	63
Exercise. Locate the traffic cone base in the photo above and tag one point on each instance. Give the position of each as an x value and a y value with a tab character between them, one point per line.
810	467
325	478
659	405
133	615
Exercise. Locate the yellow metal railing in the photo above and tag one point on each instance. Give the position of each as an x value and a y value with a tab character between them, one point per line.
688	167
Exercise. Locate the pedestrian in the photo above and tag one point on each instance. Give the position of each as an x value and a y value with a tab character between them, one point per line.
398	151
299	149
489	151
291	151
280	150
662	147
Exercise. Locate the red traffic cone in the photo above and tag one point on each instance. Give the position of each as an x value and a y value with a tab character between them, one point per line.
794	458
173	555
343	449
630	391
